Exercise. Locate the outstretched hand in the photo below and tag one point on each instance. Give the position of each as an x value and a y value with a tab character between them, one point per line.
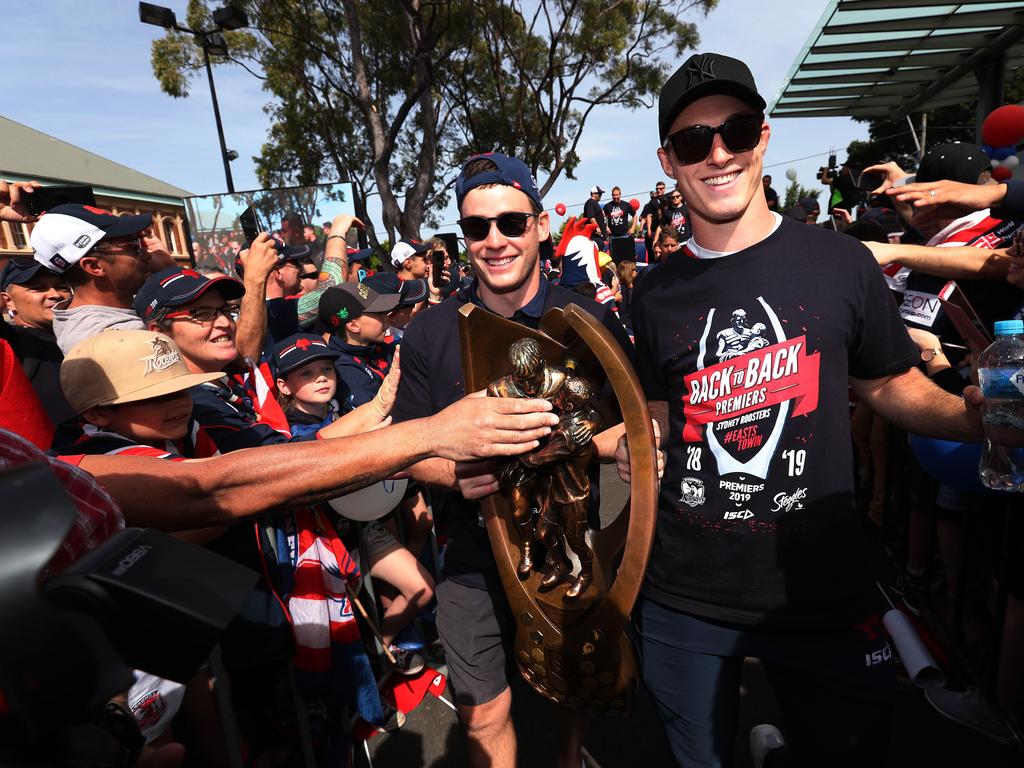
478	427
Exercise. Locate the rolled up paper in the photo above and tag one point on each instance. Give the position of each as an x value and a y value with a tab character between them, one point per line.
921	666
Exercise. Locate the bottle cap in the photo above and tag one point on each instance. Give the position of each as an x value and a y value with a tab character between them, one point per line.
1009	327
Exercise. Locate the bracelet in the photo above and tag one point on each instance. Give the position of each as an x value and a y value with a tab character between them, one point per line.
331	237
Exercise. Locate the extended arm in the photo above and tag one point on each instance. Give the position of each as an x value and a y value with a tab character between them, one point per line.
260	260
191	494
913	402
954	263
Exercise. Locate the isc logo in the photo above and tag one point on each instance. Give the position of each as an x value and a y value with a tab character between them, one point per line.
738	514
878	657
131	559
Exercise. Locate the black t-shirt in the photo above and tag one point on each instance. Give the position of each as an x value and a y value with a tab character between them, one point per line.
620	217
677	218
753	352
652	209
432	380
592	210
772	197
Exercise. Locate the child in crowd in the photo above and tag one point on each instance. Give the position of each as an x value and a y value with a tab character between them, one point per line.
307	382
355	318
131	389
666	245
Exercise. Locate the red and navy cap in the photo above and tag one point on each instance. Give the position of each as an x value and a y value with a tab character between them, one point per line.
299	349
65	233
175	286
509	171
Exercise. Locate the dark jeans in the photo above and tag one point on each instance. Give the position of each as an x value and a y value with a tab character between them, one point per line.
834	687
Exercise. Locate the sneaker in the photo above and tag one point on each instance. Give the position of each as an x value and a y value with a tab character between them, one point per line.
406	662
409	639
914	591
970	709
767	747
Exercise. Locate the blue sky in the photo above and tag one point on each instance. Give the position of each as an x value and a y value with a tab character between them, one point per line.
81	72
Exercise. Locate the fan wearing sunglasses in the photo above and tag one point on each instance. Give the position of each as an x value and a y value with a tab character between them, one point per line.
740	566
503	222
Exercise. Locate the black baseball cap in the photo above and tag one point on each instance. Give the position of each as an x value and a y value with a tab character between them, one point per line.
19	270
341	303
953	161
409	292
298	349
174	286
360	256
704	74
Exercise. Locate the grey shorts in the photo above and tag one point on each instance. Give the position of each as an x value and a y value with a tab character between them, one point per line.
378	541
476	630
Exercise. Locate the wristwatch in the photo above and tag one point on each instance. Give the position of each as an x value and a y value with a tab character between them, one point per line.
927	355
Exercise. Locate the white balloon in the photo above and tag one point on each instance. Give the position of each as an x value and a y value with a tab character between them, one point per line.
791	174
371	502
994	163
1011	162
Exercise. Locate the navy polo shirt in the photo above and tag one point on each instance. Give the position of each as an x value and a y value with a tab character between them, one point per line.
432	380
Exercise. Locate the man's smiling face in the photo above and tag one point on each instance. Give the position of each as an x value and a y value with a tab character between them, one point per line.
720	187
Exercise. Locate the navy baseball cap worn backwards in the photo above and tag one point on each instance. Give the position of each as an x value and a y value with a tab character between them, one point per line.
175	286
509	171
299	349
19	270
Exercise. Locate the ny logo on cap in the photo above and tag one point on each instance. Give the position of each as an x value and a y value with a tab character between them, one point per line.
699	70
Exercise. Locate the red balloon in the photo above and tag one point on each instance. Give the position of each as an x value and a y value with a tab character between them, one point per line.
635	203
560	209
1004	126
1001	173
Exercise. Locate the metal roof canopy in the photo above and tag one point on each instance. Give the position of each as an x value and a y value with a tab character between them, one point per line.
890	58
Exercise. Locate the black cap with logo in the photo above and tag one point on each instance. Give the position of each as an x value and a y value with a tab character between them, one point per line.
704	74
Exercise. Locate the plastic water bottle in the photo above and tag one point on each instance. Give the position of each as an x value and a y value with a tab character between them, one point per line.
1001	375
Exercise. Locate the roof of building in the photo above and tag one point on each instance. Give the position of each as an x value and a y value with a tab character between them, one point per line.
871	58
31	154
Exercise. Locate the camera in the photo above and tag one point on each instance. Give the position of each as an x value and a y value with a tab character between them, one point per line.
140	600
828	171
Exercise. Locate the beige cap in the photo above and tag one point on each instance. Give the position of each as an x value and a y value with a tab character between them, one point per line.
116	367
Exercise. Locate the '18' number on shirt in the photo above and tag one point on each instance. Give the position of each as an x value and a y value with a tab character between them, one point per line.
693	458
796	461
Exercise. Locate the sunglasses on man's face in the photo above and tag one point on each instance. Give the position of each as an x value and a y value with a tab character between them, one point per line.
740	134
511	224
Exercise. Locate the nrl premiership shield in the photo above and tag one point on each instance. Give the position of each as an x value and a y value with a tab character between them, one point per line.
569	643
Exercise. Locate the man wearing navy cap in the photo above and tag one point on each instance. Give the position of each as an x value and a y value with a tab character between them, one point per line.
31	291
503	222
411	295
747	363
104	260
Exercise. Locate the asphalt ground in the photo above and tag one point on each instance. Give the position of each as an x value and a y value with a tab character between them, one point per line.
433	738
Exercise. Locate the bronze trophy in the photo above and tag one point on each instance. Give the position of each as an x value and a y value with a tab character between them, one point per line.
571	588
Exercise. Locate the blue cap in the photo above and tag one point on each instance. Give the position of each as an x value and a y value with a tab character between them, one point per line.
298	349
19	270
1009	327
174	286
360	256
509	171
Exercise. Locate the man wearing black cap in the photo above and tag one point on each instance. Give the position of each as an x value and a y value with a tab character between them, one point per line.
592	210
102	258
503	222
746	349
31	291
356	317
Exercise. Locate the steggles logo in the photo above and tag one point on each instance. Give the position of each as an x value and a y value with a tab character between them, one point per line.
364	292
164	356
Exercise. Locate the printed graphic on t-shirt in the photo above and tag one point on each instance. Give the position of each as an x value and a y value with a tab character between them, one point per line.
749	380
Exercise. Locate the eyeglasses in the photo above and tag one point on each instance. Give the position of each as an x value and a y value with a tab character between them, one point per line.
510	224
309	276
740	134
134	246
205	315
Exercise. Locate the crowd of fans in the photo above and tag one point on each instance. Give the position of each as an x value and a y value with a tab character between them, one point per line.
288	380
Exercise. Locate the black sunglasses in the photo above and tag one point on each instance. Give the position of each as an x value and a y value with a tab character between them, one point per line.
309	276
511	224
740	134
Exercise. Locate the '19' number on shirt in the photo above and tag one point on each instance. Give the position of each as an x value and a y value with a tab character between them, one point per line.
796	461
693	458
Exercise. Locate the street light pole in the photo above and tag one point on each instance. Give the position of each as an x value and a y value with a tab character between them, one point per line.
228	18
216	116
